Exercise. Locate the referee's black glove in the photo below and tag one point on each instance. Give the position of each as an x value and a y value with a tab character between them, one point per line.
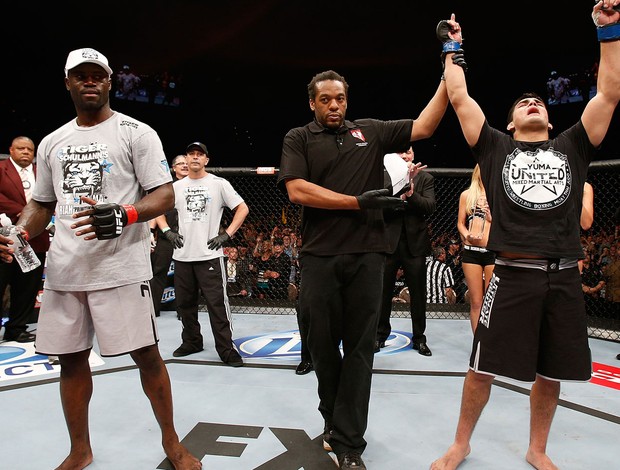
379	199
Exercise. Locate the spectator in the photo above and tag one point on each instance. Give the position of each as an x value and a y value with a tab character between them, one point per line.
558	88
165	229
592	283
200	199
244	262
278	272
611	273
237	277
453	260
400	293
409	245
262	266
128	84
606	256
17	179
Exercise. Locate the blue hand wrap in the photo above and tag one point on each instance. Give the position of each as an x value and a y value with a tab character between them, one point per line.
609	32
451	46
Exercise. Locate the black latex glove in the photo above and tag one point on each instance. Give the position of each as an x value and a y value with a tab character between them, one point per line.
458	58
379	199
218	242
173	237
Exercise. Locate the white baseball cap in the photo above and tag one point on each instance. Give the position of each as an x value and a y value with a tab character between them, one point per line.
80	56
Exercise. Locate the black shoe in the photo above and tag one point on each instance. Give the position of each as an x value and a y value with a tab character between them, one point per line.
304	368
618	357
422	348
22	337
327	437
379	345
234	360
351	460
185	350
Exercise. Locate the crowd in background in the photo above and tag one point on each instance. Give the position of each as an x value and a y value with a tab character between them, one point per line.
258	250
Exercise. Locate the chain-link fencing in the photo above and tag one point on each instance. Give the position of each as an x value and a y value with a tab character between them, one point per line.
271	214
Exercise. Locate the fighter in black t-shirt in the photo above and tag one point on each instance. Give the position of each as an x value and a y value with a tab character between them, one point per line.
532	323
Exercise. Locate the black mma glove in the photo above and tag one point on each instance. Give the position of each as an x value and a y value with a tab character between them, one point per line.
218	242
173	237
450	45
379	199
109	219
443	34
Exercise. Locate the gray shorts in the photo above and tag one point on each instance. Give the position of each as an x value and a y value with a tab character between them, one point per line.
533	322
122	317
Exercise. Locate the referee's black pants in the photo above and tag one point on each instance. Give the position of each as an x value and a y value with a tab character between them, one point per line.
339	302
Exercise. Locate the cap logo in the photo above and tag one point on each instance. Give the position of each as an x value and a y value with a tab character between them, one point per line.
90	54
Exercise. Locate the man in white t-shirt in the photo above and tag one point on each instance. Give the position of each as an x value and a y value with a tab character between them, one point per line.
100	287
199	264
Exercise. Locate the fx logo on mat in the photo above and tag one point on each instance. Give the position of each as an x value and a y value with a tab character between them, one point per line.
255	447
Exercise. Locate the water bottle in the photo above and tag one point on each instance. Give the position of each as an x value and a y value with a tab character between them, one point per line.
23	252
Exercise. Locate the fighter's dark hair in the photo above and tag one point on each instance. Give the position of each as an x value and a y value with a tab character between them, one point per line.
524	96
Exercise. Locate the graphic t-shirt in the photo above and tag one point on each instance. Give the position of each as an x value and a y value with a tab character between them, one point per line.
534	190
116	161
200	203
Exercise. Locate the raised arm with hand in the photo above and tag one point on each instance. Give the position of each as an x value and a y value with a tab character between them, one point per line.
469	113
451	40
599	111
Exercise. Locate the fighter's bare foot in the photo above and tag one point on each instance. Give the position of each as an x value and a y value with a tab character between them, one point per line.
76	461
181	459
539	460
452	458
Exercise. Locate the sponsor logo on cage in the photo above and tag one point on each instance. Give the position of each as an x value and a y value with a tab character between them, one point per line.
19	360
168	295
287	345
538	180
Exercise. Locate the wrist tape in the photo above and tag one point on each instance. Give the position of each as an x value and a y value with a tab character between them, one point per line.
609	32
451	46
132	213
